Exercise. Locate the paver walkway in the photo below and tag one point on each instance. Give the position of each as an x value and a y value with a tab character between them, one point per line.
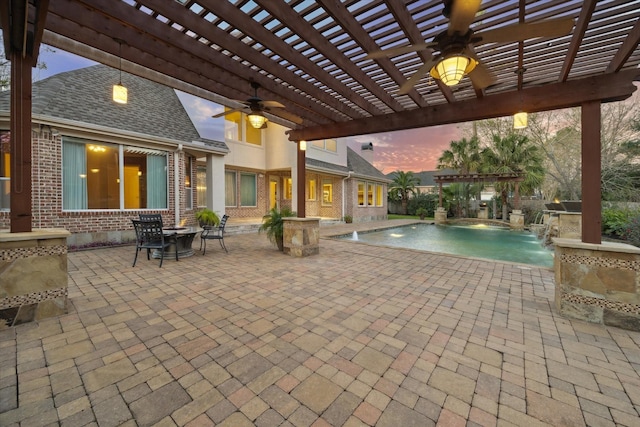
355	336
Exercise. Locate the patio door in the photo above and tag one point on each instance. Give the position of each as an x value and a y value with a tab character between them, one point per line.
273	192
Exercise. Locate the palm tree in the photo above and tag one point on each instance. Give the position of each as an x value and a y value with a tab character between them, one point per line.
404	184
463	156
513	154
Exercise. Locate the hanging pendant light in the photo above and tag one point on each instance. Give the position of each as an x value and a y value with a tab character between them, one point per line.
119	91
520	120
257	119
452	69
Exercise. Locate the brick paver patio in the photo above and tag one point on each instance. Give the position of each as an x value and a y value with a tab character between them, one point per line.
355	336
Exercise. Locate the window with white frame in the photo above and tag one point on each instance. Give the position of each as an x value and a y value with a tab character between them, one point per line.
311	189
370	201
248	189
237	128
361	189
379	195
188	163
201	186
98	175
230	189
327	192
326	144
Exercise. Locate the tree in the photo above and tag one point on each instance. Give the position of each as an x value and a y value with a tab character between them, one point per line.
5	66
513	154
404	184
463	156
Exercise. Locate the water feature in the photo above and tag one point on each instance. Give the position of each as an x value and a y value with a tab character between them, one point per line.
479	241
354	236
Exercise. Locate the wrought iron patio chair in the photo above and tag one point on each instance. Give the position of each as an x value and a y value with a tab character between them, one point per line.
149	236
150	217
214	233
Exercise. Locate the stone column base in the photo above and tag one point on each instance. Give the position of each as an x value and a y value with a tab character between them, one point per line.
301	236
33	275
598	282
516	220
440	216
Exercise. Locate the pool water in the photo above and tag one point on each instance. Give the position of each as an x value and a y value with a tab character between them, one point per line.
478	241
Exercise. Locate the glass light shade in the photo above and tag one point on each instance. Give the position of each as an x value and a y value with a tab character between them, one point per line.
303	145
120	94
520	120
257	120
451	70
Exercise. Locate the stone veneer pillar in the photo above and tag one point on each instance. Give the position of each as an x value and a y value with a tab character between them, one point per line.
33	275
301	236
598	283
440	215
516	220
570	225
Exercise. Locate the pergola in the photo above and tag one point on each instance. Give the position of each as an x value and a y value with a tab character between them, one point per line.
311	57
515	177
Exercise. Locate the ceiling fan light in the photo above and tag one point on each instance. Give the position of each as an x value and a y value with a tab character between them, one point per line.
119	94
451	69
257	120
520	120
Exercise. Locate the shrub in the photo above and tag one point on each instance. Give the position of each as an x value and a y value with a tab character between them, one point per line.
614	221
632	231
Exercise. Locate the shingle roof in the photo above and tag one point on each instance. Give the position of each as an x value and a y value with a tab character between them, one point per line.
84	95
363	168
425	177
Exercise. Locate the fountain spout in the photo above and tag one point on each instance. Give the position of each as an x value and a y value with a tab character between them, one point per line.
355	235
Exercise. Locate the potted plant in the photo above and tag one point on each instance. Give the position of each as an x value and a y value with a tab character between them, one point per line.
273	225
421	212
348	219
207	217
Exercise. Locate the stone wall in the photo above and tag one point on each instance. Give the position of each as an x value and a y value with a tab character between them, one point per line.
598	283
33	276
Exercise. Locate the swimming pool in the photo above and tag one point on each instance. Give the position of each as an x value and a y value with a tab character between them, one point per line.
480	241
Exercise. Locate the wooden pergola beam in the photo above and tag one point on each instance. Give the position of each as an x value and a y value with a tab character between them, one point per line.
605	88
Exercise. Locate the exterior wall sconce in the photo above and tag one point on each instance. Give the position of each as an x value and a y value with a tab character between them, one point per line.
119	91
452	69
257	119
520	120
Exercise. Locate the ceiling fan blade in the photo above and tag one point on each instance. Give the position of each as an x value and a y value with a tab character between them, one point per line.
463	12
481	76
224	113
521	32
396	51
420	72
272	104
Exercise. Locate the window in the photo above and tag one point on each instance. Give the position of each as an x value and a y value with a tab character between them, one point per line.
288	188
201	186
326	144
237	128
5	171
369	194
379	195
230	188
92	177
360	193
187	183
248	189
327	192
311	189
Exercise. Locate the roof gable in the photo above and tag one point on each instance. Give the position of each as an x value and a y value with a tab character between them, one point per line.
359	166
84	95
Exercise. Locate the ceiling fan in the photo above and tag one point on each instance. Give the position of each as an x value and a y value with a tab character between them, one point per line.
455	55
254	107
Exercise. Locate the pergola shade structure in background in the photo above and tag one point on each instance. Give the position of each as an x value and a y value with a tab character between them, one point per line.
310	56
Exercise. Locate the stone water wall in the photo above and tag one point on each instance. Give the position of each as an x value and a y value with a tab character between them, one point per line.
33	275
598	283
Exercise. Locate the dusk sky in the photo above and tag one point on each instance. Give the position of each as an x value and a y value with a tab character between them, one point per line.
410	150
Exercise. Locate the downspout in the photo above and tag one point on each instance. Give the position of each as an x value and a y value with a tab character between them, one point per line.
344	192
176	184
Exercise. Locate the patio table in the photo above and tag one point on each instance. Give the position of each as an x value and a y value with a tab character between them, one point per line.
184	237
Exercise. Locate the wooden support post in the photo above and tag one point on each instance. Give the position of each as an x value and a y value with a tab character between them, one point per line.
20	118
440	194
301	178
591	174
